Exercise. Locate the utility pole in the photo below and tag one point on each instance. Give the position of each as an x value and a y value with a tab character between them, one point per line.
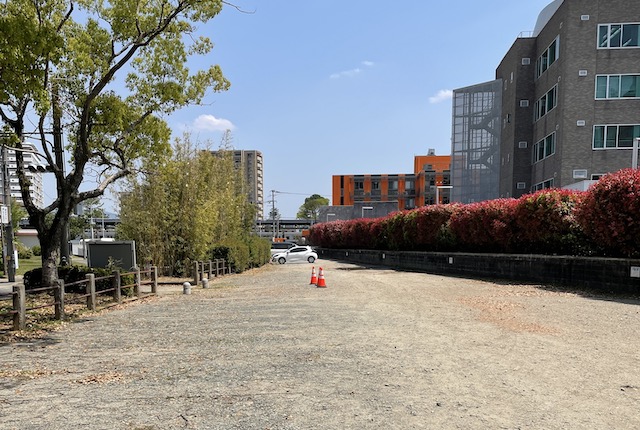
57	146
273	213
8	229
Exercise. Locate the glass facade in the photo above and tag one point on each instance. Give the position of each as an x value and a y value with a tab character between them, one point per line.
475	165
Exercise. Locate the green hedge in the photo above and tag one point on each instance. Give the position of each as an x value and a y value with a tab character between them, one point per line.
69	274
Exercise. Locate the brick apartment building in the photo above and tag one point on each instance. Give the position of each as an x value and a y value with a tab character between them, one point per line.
429	182
563	110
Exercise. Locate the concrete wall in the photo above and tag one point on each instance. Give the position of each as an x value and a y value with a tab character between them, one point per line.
600	274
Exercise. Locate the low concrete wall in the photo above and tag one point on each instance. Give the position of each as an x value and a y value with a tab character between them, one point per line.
603	274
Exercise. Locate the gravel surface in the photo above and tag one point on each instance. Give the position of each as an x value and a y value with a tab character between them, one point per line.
376	349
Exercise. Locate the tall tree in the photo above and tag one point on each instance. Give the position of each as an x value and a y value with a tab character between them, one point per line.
99	75
310	207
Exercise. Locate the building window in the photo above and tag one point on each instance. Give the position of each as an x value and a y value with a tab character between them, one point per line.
596	176
619	35
543	185
358	185
410	203
545	103
375	185
548	57
393	185
544	148
617	86
408	185
521	185
614	136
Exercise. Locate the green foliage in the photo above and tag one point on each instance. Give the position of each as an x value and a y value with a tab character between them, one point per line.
23	252
109	71
311	206
186	206
250	252
36	250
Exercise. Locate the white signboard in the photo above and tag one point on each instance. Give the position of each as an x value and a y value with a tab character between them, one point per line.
4	214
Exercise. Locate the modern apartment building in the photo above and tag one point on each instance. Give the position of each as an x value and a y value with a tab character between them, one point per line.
250	163
569	98
429	182
11	183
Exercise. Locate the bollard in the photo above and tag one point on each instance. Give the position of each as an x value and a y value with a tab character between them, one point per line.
205	283
186	288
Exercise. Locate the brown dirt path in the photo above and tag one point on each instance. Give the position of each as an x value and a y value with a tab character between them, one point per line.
377	349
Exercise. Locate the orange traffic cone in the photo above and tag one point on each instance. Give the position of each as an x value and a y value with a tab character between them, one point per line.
321	283
314	280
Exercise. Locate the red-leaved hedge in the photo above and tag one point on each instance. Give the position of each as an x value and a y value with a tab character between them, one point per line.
545	222
610	213
604	220
484	226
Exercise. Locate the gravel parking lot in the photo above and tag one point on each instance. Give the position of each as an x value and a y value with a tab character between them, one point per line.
376	349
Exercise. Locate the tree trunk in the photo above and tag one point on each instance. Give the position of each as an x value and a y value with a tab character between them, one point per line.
50	250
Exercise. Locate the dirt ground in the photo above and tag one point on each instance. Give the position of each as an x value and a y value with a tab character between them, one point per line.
376	349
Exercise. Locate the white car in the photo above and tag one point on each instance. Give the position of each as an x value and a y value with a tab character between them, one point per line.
297	253
277	247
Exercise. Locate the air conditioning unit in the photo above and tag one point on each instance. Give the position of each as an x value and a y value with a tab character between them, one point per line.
580	174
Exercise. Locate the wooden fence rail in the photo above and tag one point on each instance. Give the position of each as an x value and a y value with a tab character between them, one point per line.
211	268
19	308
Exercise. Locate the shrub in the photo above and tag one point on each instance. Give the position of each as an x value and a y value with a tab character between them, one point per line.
545	222
70	274
23	252
426	228
259	251
36	250
484	226
393	231
610	213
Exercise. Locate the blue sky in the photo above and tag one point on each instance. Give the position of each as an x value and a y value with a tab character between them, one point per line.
333	87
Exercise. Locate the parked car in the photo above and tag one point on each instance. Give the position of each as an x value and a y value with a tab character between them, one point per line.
277	247
297	253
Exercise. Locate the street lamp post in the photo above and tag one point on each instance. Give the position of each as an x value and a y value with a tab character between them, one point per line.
366	208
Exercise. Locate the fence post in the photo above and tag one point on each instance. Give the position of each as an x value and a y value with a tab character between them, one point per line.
196	272
154	280
58	294
117	292
136	288
211	275
19	307
217	267
91	291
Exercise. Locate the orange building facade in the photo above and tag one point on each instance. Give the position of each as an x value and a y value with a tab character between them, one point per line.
429	183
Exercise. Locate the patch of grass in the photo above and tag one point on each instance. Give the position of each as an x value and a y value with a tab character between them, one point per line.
24	265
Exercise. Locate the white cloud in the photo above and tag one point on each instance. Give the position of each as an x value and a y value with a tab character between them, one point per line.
346	73
353	72
211	123
441	96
